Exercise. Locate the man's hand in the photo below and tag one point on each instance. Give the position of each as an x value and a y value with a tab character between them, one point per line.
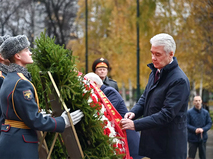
129	115
75	116
127	124
199	130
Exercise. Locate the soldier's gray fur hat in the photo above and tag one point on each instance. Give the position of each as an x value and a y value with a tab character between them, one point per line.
3	38
13	45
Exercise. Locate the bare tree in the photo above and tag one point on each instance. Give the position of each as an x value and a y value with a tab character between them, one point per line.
60	18
7	10
30	17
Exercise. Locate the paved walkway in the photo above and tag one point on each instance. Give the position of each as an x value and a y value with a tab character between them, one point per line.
209	147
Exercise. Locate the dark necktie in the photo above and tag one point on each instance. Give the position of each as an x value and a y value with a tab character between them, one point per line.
157	75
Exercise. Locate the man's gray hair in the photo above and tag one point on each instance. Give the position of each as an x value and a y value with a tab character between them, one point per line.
165	40
95	78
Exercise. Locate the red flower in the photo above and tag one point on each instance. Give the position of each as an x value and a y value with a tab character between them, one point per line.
79	73
94	99
120	146
105	122
92	104
107	131
87	87
118	151
100	106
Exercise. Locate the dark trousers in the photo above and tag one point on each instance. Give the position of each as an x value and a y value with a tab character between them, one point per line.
193	149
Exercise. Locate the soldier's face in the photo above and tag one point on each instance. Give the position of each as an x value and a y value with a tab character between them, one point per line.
101	72
25	57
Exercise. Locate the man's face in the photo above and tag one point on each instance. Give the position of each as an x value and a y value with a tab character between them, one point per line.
197	102
159	57
101	72
25	57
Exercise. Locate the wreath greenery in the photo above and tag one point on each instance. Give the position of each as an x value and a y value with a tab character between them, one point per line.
49	56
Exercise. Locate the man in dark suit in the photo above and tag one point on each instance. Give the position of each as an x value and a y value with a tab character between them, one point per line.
198	123
101	67
162	106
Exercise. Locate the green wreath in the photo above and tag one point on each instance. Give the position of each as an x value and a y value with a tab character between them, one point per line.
49	56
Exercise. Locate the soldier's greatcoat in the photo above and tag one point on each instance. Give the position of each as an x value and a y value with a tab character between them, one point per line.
19	104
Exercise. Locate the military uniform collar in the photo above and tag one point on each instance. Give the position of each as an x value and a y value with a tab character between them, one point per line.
17	68
106	79
3	68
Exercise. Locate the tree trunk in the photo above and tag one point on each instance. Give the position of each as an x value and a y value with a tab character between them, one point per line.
201	87
192	94
124	93
130	95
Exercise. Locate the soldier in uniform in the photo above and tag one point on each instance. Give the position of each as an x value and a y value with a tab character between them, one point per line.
101	67
3	71
20	105
3	62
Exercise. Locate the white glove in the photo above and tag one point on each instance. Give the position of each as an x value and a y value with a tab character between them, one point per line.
44	113
75	116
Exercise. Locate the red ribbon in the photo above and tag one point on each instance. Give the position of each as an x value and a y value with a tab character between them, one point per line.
114	116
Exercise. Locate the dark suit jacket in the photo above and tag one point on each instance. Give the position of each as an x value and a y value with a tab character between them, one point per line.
163	108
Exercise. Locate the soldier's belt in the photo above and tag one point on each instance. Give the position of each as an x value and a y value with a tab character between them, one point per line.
16	124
